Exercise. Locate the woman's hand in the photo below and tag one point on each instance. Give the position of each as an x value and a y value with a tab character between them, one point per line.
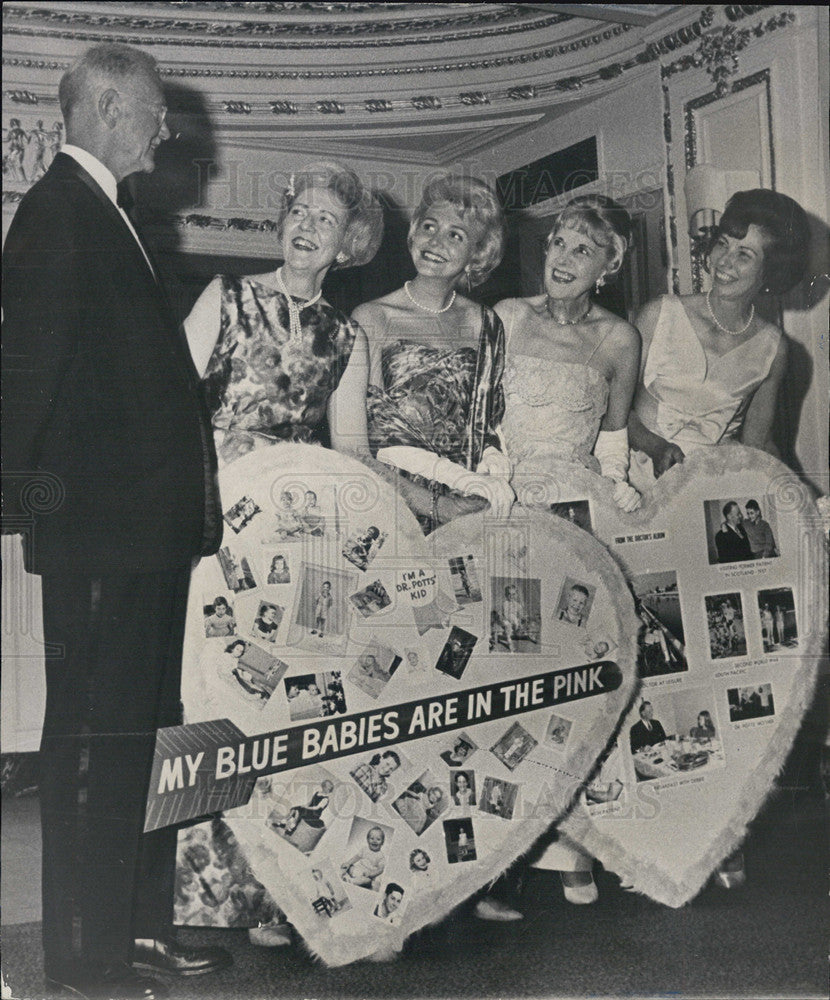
664	456
495	490
494	463
626	497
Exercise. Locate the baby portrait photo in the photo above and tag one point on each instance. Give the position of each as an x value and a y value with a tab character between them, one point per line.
557	732
361	548
367	854
325	892
372	599
296	514
422	802
243	669
515	615
241	513
315	696
373	669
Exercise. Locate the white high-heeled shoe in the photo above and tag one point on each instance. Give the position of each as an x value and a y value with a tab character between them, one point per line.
580	895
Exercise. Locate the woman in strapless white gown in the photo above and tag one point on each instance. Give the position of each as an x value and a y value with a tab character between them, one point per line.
570	371
571	365
712	366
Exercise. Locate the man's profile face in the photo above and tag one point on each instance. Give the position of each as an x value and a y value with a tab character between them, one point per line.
142	126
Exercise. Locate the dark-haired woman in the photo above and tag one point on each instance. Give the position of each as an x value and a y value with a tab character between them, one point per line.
711	366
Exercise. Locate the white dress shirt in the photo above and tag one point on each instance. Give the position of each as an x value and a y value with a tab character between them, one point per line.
108	184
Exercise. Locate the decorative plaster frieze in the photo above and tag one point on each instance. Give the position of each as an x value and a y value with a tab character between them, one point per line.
281	33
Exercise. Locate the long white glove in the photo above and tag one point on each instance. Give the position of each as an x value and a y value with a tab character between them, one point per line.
492	488
611	450
494	463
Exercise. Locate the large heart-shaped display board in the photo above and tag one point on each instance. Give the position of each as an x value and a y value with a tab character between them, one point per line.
727	562
446	699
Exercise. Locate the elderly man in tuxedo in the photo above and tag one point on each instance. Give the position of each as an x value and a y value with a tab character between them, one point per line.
103	424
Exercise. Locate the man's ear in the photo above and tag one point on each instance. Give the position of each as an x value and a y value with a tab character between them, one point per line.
109	107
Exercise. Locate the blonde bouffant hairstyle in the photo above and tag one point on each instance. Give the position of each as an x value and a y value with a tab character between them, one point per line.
473	199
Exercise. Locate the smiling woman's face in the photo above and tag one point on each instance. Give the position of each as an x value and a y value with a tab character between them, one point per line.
574	262
443	243
313	230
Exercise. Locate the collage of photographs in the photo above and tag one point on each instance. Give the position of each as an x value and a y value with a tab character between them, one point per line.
707	666
415	499
291	632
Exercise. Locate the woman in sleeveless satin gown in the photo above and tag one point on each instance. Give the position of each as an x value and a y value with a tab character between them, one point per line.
711	365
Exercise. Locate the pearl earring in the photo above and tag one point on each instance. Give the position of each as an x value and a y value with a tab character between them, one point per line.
600	282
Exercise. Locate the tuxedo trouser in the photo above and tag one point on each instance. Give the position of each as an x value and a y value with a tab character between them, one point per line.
116	681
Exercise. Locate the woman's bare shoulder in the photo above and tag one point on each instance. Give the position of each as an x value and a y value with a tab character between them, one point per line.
375	316
521	309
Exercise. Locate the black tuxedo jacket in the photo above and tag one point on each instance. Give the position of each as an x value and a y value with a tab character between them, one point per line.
99	392
641	737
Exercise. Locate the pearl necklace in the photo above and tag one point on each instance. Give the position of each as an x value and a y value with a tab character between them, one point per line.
720	326
294	328
415	302
566	322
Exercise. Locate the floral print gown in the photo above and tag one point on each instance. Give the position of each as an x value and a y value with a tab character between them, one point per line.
447	402
260	386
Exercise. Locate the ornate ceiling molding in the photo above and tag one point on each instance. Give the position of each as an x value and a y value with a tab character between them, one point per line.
718	50
485	21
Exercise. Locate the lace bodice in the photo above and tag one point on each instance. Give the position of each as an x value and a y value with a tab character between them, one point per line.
553	412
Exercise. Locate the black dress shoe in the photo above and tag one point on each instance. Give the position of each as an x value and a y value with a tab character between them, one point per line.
118	983
178	960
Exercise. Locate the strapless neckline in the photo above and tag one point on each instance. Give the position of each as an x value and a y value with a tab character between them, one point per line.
571	385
